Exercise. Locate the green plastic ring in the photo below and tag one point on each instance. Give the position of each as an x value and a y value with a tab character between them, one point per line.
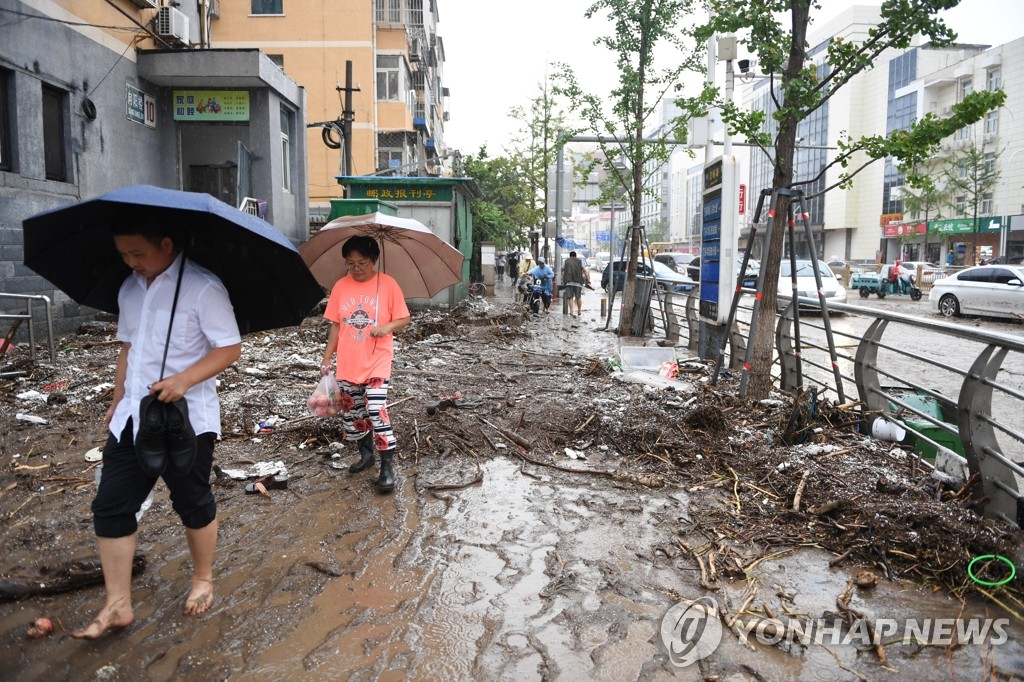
989	583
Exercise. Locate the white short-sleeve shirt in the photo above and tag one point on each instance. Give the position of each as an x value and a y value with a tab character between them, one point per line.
203	320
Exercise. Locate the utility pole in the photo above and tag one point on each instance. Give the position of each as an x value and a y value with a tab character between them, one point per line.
347	116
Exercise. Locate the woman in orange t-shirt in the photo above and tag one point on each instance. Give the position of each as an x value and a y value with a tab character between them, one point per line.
366	308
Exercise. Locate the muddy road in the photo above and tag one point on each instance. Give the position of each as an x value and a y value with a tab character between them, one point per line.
494	560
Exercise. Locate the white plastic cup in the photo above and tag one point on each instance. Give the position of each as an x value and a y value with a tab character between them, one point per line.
883	429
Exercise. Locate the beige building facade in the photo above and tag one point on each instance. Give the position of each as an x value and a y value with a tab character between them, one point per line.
397	115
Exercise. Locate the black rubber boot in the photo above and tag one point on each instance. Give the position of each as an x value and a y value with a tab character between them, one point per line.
386	480
365	455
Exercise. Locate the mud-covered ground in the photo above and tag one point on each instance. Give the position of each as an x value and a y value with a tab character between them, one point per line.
540	529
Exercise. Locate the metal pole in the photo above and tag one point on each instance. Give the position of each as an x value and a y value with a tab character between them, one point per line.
347	116
559	166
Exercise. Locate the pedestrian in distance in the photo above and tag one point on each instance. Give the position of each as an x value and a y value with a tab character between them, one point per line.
574	277
499	266
205	341
546	276
513	267
950	258
524	281
365	309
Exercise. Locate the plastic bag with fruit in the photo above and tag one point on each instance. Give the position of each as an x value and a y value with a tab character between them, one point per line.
325	399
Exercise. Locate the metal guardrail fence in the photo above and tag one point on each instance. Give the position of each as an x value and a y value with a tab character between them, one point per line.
28	316
953	387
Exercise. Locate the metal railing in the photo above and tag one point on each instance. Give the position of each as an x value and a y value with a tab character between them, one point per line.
954	387
29	317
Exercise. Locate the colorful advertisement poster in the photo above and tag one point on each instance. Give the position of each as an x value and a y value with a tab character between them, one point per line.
211	105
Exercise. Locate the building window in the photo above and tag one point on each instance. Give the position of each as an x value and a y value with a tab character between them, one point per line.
389	69
278	60
960	204
268	6
6	162
992	122
389	159
54	134
388	11
986	203
966	88
995	78
990	162
286	149
965	133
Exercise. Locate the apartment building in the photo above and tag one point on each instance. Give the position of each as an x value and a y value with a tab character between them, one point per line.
396	90
100	95
868	221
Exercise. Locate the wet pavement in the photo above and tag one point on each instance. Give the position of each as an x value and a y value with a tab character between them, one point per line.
527	573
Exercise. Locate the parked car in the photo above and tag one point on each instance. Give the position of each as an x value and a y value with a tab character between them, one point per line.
750	281
996	290
807	286
676	261
839	266
667	278
929	271
600	260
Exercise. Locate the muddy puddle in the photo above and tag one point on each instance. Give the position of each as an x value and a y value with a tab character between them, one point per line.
482	564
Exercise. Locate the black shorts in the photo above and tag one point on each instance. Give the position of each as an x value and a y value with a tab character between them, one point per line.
124	487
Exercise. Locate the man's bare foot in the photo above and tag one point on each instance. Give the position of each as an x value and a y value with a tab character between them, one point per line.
200	598
112	617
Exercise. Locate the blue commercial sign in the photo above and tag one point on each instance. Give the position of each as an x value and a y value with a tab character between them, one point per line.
603	235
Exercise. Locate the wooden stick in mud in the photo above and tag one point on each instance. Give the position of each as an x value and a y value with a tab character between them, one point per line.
20	583
800	490
510	435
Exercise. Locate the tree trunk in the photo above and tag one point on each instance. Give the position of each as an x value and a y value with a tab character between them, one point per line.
629	290
759	383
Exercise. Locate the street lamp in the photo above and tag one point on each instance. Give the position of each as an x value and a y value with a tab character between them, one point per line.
1005	230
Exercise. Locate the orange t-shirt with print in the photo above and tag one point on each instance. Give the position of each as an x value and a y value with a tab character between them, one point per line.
357	307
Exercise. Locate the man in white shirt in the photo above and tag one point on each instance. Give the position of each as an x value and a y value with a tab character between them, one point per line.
204	340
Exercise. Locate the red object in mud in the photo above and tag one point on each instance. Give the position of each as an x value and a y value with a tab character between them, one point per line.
40	628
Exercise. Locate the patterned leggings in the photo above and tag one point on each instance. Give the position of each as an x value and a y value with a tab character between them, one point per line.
363	409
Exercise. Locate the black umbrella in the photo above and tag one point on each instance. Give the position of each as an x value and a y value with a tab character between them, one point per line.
268	282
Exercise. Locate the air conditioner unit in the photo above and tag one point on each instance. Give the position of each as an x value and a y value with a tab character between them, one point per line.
145	4
172	24
415	50
214	8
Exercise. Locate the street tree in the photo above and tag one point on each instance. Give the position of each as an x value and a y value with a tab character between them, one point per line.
971	178
620	118
508	202
535	146
926	197
775	34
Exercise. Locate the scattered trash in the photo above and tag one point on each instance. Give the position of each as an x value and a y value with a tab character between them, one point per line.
883	429
30	418
575	454
56	385
268	424
32	395
94	455
669	370
271	482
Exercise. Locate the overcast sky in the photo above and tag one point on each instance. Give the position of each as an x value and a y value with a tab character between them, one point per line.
497	58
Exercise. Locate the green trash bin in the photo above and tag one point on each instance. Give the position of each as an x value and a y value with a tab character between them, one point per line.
933	408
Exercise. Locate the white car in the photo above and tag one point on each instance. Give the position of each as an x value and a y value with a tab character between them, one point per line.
996	290
929	271
807	287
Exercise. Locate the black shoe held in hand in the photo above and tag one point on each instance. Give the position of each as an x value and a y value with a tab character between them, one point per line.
151	441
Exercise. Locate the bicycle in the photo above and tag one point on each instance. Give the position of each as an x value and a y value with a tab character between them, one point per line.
477	289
